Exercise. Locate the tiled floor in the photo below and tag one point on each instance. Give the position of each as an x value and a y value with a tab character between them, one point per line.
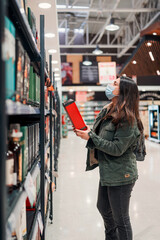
75	214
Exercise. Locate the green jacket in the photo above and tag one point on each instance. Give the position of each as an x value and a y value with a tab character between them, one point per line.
115	157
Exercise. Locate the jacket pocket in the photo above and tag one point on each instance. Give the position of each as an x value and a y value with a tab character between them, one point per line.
108	132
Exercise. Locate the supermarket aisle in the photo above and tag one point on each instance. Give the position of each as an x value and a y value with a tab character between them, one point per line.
75	213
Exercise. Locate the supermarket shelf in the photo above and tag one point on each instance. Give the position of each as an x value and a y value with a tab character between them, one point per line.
22	25
154	140
17	108
17	196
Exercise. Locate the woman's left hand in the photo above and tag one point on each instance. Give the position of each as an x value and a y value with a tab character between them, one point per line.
83	133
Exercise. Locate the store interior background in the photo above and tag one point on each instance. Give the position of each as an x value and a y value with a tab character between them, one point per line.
85	57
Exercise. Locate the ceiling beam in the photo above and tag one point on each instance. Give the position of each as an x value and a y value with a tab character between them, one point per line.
137	36
94	46
107	10
91	54
107	21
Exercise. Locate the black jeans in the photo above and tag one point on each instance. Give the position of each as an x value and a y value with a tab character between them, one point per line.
113	204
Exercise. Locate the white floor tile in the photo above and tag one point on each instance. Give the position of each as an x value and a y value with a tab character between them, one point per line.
75	214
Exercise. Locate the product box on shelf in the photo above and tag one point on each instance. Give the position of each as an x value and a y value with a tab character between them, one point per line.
24	146
26	78
20	231
37	89
19	70
32	22
31	84
9	54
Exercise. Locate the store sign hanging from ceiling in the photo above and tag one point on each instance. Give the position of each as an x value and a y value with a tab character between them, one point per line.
107	72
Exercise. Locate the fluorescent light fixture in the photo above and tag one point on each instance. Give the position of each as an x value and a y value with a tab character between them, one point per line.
149	44
112	26
97	51
65	6
158	72
56	70
44	5
49	35
56	75
63	30
134	62
52	50
83	7
154	33
54	62
79	31
151	56
61	6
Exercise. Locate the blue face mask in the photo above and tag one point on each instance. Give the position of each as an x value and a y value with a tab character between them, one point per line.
109	91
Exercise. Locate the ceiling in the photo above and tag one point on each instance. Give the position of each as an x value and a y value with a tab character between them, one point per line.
87	19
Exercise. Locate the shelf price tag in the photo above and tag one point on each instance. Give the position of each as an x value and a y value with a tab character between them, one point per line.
40	222
30	188
48	177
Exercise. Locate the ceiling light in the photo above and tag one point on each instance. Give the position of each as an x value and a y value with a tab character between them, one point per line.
56	69
54	62
49	35
86	61
158	72
83	7
134	62
63	30
22	10
124	75
89	90
97	51
56	75
111	26
44	5
79	31
61	6
151	56
149	44
154	33
52	50
71	90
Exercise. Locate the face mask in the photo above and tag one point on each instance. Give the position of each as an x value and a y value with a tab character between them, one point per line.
109	91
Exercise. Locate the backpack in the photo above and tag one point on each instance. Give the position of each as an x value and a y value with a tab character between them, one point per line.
140	150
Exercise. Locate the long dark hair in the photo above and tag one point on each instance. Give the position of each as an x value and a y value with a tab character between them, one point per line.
127	106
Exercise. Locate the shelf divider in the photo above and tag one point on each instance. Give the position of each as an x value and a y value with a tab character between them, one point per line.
3	196
42	122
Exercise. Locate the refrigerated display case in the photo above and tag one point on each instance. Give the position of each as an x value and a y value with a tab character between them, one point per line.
154	123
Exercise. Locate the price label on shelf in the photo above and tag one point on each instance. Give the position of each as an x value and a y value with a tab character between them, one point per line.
30	188
48	177
40	222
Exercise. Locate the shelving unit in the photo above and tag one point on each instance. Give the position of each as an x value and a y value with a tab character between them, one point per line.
26	114
154	123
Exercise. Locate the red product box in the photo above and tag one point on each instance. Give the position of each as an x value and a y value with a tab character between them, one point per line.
74	114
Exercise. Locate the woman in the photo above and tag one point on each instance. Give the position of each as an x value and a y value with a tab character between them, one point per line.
110	145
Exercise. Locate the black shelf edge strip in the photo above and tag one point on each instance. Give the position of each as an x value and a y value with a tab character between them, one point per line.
30	235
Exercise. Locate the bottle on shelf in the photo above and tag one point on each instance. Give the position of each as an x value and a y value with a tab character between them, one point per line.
14	146
9	171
